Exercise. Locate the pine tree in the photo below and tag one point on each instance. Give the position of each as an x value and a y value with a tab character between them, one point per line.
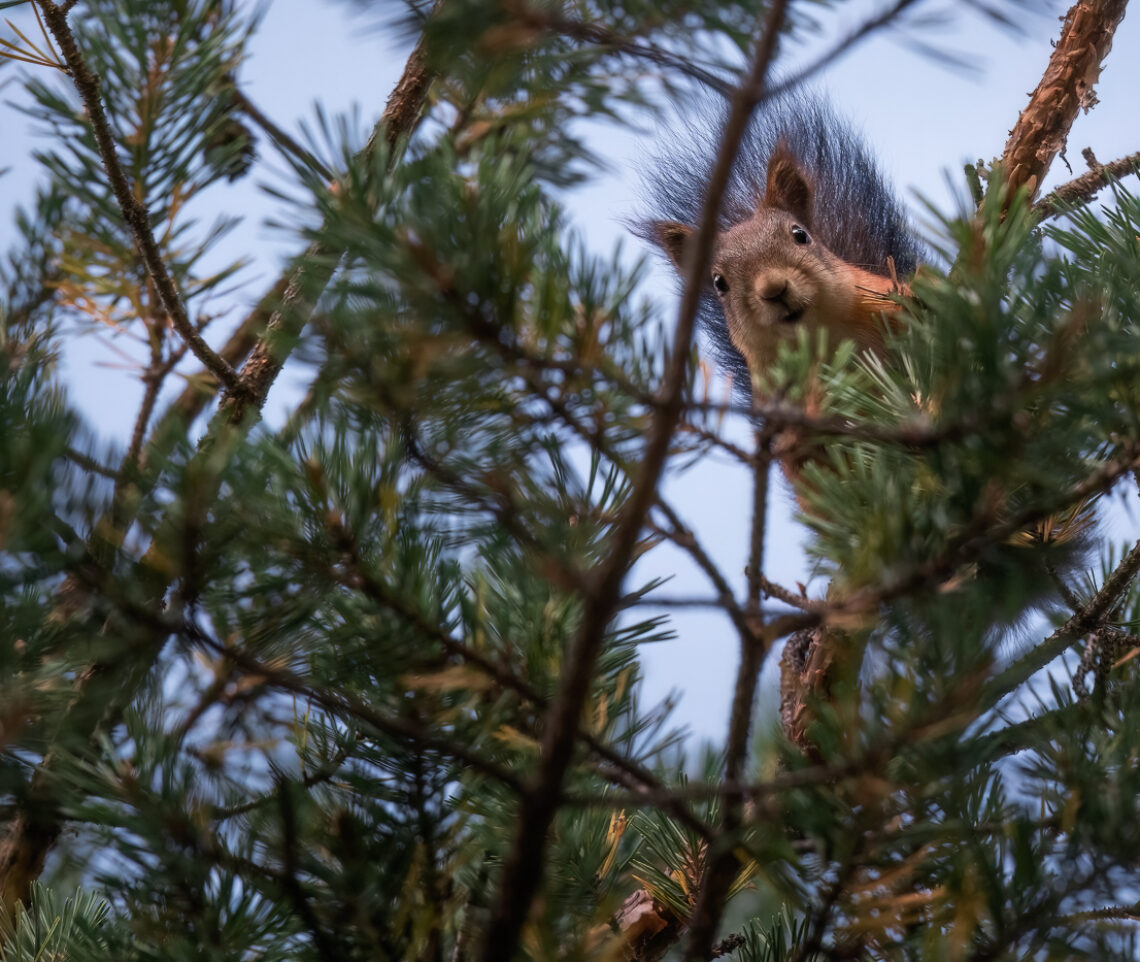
365	684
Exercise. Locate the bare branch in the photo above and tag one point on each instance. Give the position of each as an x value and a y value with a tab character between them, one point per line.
1066	87
1083	189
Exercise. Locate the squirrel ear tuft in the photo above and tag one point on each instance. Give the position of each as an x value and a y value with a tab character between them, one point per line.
788	187
673	238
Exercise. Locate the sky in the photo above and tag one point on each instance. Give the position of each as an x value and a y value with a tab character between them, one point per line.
922	117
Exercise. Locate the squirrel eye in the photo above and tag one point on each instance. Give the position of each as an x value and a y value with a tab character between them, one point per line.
799	235
720	283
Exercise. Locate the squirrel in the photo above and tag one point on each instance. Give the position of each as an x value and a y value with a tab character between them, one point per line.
809	234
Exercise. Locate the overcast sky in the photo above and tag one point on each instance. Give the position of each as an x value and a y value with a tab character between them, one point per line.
920	116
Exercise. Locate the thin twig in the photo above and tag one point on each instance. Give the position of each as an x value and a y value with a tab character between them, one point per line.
684	537
134	213
1083	189
1086	618
601	36
822	774
284	141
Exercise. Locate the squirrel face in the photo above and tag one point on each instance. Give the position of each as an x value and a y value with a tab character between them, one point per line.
772	276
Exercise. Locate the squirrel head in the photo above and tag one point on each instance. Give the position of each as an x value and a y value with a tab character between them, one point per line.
771	275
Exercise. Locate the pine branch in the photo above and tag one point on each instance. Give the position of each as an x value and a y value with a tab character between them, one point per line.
281	312
1089	617
336	703
1083	189
134	213
1065	88
401	113
981	534
626	771
34	832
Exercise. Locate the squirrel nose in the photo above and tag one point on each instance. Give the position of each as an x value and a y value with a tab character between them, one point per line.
772	288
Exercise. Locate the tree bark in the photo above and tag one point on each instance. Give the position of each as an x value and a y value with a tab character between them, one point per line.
1042	129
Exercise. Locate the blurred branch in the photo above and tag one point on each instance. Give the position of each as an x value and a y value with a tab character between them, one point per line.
286	143
820	914
843	46
88	463
602	36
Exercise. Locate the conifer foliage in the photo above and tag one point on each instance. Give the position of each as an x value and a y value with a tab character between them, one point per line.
364	683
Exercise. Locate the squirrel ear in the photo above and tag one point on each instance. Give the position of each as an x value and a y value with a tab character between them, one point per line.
788	187
673	238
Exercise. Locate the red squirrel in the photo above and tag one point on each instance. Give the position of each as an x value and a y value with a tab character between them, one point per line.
810	237
810	234
772	274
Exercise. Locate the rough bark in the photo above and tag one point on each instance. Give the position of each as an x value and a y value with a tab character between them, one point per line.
1066	87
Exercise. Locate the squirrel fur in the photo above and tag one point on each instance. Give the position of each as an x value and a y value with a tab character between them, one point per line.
809	232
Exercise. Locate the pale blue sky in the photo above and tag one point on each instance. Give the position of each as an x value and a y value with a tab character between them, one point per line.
921	117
